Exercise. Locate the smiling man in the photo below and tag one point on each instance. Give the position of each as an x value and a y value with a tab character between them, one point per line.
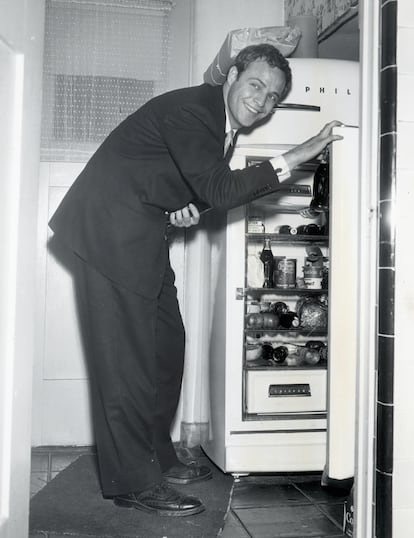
162	163
254	87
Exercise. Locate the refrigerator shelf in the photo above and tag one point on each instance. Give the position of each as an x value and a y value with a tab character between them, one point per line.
285	291
287	209
277	367
300	331
308	166
287	238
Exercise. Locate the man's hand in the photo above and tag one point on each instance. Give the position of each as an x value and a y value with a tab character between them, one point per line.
185	217
312	147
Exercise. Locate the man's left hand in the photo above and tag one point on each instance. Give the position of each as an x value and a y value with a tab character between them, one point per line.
185	217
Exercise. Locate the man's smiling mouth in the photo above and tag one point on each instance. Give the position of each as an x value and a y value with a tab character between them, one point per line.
252	110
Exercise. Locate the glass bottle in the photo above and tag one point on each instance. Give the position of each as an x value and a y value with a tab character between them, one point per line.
266	257
289	320
320	199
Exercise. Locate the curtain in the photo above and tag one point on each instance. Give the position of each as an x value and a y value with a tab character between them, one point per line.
103	59
326	11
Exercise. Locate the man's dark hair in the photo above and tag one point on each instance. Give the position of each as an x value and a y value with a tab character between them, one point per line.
269	54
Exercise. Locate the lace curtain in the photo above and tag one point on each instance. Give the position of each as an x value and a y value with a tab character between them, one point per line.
103	59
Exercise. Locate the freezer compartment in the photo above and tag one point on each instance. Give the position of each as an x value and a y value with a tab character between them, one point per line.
299	391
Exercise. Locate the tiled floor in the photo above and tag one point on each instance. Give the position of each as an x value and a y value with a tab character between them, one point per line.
270	506
283	507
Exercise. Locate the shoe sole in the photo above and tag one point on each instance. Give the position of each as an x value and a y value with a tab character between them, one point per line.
184	481
123	503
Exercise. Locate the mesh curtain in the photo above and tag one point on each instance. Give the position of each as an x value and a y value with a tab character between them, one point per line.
103	59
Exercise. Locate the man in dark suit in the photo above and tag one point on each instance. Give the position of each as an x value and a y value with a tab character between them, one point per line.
162	163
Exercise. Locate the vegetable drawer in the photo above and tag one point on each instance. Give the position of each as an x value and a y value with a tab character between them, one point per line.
294	391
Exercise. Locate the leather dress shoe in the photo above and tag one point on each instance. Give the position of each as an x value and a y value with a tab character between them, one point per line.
182	473
162	500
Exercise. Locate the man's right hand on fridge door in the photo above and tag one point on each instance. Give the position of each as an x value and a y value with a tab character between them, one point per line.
313	147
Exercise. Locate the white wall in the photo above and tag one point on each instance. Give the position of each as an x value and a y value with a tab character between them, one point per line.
403	499
215	18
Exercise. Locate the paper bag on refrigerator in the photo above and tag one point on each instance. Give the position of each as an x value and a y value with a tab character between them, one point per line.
284	38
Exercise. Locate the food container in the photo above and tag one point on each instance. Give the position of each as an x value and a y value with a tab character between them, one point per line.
312	276
285	273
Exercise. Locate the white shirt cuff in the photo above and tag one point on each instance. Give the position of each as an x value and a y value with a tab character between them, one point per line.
281	167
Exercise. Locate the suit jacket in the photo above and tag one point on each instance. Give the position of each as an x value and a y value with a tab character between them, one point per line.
163	156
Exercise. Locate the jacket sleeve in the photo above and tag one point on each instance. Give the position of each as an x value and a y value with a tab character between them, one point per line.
196	147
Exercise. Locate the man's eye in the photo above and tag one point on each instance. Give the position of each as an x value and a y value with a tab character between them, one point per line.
255	86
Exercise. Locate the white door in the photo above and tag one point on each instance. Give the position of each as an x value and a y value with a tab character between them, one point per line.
61	387
343	300
11	87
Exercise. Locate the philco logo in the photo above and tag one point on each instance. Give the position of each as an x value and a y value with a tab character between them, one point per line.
322	89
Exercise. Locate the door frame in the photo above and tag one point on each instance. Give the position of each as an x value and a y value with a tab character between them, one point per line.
14	410
368	172
21	34
11	109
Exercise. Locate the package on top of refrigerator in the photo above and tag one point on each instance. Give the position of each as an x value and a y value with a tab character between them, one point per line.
285	38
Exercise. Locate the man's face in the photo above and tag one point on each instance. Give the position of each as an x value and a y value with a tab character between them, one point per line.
254	94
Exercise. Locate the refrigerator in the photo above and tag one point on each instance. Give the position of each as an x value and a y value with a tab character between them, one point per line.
282	397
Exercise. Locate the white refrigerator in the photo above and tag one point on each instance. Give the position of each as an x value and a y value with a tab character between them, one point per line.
268	414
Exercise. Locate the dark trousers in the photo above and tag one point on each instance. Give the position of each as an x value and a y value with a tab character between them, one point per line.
134	347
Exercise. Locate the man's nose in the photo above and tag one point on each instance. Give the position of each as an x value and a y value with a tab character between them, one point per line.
260	99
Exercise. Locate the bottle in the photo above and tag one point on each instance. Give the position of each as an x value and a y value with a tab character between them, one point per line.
267	352
313	229
279	308
286	229
320	198
280	353
266	257
289	320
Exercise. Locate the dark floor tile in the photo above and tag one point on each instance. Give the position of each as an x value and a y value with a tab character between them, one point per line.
251	494
298	521
38	480
313	490
335	512
233	528
61	460
40	462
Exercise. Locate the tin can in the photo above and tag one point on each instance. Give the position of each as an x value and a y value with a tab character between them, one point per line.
285	273
312	276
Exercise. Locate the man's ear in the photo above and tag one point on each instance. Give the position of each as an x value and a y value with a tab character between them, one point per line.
232	74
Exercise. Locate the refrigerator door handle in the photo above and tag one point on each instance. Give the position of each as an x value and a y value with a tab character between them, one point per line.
297	106
289	389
